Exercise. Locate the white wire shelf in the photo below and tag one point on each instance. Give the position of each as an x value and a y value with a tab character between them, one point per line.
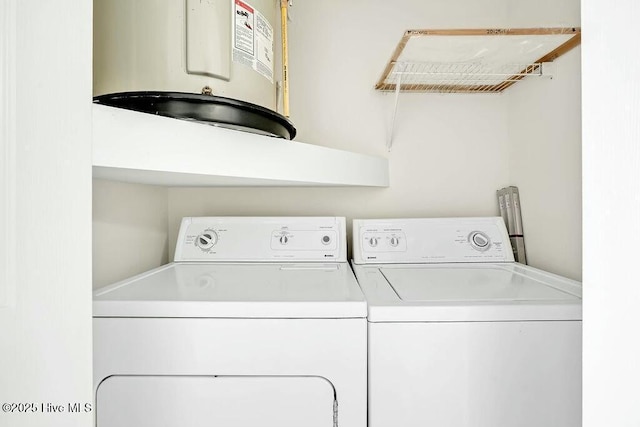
472	61
485	60
442	77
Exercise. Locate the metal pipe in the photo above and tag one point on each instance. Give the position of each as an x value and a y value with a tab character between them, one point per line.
284	6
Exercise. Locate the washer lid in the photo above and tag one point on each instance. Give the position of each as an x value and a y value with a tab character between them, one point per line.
462	284
235	291
467	292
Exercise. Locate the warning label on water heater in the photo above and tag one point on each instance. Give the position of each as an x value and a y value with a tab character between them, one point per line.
252	39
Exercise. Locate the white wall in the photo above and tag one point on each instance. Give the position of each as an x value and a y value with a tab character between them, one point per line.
545	164
544	125
423	183
338	51
611	170
129	230
45	350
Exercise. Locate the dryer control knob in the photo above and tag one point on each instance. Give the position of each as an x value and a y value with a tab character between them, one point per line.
207	240
479	241
373	242
284	239
394	241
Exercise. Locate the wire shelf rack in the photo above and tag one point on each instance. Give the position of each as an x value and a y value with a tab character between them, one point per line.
473	60
485	60
442	77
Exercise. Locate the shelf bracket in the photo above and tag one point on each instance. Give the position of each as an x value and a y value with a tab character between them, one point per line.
395	111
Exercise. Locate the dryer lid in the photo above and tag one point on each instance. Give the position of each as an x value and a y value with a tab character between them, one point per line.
239	290
467	292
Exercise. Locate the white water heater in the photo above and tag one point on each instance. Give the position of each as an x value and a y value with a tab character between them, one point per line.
219	47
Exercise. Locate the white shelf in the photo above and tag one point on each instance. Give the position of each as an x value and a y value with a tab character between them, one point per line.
142	148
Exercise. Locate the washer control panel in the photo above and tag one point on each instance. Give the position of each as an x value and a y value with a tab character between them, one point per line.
262	239
431	240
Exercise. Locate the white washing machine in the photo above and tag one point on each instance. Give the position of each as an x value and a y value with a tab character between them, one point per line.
459	334
257	322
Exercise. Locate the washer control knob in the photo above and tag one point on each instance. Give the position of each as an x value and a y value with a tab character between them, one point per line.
373	242
479	240
326	239
207	240
394	241
284	239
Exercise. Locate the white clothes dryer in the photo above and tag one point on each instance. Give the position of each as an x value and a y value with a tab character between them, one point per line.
459	334
258	321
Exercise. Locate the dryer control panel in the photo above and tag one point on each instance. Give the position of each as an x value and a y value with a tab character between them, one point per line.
237	239
431	240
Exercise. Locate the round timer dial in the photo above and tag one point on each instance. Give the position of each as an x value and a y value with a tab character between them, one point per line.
207	240
479	241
